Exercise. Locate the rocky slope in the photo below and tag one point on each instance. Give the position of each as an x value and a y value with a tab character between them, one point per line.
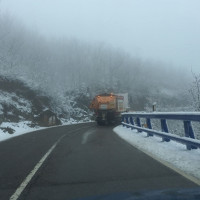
19	102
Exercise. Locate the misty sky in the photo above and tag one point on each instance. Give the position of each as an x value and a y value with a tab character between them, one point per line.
160	30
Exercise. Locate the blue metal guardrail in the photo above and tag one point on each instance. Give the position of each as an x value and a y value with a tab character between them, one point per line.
133	121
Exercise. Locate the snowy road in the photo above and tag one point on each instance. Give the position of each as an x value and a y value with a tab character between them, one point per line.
76	161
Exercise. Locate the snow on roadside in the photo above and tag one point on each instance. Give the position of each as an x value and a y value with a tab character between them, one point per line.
73	121
171	152
19	128
23	127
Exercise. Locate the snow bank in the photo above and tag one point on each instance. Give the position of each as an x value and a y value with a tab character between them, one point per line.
19	129
73	121
23	127
172	153
165	113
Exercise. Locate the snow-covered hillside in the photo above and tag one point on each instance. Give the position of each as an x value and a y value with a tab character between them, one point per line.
13	106
19	102
58	66
20	106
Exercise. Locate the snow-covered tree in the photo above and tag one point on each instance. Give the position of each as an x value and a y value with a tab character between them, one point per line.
195	91
56	66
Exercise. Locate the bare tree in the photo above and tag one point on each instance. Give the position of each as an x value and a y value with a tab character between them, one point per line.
195	91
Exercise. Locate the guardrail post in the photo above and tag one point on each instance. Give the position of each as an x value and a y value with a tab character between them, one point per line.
127	121
123	120
164	128
189	133
131	121
149	126
138	123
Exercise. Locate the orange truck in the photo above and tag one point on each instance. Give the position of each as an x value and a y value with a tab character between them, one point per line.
108	107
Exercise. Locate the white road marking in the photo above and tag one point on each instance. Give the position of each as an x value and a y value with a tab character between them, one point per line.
27	180
86	135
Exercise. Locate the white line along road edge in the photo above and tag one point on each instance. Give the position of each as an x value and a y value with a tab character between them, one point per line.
26	181
21	188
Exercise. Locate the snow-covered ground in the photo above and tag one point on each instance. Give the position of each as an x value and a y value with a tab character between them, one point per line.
171	153
23	127
19	128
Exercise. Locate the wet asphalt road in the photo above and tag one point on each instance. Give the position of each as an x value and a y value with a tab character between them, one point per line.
89	160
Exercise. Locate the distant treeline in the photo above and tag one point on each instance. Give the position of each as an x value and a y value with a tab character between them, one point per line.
58	66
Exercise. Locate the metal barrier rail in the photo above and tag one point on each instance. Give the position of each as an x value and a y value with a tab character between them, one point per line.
130	119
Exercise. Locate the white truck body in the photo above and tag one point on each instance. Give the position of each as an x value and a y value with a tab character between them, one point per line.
122	102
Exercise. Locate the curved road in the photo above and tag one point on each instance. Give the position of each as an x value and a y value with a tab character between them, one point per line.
80	160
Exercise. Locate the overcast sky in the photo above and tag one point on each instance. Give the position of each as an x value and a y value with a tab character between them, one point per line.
160	30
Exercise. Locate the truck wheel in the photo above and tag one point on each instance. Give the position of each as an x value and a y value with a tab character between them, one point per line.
100	123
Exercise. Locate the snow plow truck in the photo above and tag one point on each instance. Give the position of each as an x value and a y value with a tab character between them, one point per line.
108	107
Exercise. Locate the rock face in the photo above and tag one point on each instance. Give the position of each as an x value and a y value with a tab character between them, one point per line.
20	102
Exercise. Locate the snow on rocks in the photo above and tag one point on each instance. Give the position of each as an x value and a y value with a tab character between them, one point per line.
19	103
17	128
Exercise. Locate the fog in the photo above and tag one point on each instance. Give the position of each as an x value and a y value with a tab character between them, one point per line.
144	49
166	31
